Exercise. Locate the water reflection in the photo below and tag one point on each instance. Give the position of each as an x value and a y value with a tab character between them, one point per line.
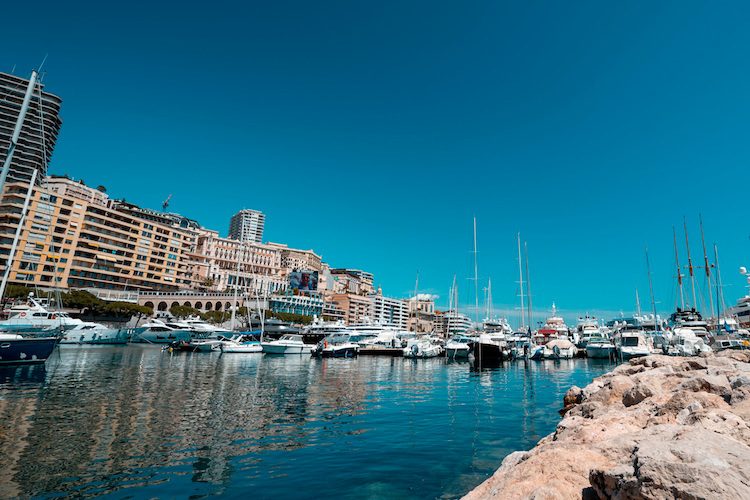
101	421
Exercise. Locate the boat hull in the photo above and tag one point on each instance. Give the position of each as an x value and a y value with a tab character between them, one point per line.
108	336
457	352
286	349
27	350
487	352
600	352
245	347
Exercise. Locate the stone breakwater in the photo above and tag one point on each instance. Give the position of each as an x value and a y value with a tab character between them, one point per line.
658	428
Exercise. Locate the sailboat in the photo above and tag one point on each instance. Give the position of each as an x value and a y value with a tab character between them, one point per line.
491	345
241	342
16	348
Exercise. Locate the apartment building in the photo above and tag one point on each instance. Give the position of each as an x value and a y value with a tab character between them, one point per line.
302	260
353	281
357	308
388	311
219	263
73	242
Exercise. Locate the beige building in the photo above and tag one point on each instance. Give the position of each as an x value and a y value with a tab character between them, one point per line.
70	239
219	263
421	314
357	309
301	260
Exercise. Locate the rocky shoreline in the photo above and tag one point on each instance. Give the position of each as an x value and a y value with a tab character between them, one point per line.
658	428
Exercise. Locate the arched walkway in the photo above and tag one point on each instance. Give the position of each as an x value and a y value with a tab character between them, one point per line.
162	306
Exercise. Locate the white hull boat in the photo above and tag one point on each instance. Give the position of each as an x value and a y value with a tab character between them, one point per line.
287	344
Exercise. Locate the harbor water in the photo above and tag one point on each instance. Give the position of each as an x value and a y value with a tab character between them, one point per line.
138	422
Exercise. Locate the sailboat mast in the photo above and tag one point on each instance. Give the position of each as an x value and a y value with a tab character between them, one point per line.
236	285
528	284
520	283
416	306
651	287
719	289
476	278
706	267
637	303
679	273
690	264
19	228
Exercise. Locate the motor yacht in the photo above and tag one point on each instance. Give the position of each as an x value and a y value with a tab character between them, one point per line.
244	342
421	348
459	347
336	345
88	332
287	344
158	332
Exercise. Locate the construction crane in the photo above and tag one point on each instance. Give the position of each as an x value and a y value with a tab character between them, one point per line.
165	204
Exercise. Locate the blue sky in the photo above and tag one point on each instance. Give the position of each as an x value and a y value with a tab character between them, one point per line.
375	133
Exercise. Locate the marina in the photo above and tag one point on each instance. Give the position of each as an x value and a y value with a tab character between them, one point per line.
136	421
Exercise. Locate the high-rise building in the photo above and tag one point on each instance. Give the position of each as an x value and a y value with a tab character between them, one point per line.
33	149
247	225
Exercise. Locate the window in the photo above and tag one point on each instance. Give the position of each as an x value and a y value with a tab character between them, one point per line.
34	257
27	266
24	277
43	217
77	205
44	207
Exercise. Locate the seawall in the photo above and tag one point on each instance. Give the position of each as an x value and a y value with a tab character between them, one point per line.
659	427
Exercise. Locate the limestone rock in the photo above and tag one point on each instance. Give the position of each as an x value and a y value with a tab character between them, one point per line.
659	427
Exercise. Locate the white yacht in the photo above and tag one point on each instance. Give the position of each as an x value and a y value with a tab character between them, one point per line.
600	347
421	348
458	347
632	341
94	333
158	332
586	328
32	317
200	326
243	342
287	344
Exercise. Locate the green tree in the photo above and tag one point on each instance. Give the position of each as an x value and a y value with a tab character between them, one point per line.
183	311
216	317
81	300
125	310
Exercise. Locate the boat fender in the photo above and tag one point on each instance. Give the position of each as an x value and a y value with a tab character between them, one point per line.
325	345
556	350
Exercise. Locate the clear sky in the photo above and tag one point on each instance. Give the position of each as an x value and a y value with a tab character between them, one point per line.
373	133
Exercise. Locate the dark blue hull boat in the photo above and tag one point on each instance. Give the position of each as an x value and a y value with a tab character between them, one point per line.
29	350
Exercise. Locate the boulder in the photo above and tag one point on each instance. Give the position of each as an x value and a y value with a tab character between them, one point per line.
660	427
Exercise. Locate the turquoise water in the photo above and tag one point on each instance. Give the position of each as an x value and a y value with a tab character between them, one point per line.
138	422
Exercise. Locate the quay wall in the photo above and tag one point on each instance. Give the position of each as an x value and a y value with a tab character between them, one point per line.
659	427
